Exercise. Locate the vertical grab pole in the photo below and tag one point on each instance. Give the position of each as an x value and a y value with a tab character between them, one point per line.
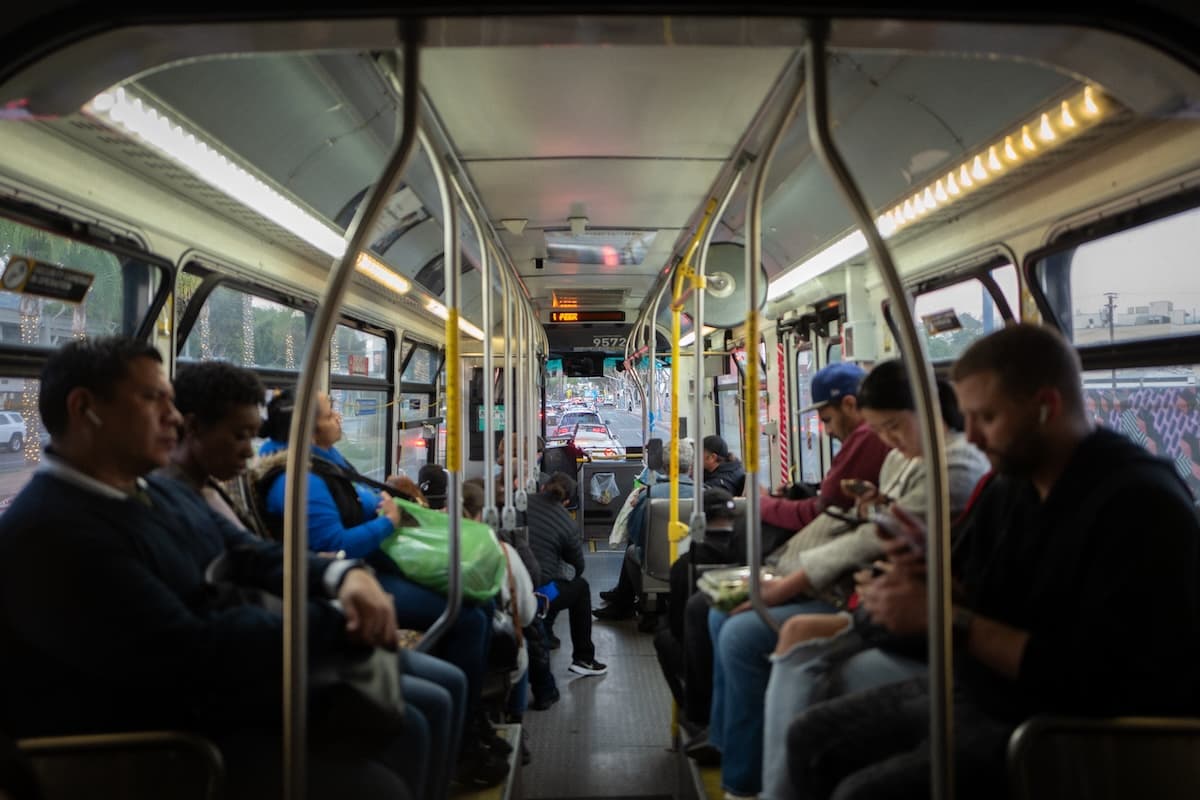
451	260
652	333
532	395
509	515
920	376
750	397
490	515
295	510
514	440
697	523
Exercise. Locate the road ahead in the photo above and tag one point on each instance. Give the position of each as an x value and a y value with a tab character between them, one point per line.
625	425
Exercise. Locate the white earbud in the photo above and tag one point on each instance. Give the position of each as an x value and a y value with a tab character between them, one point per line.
1043	413
95	420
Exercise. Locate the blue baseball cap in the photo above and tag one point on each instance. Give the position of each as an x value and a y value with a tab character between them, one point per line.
833	383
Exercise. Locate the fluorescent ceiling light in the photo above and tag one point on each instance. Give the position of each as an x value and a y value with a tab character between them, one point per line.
1050	129
691	337
155	128
439	310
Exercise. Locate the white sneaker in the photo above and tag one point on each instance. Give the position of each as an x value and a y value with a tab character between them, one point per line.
592	667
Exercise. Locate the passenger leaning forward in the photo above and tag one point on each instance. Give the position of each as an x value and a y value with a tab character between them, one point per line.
109	621
1063	547
818	563
221	406
346	515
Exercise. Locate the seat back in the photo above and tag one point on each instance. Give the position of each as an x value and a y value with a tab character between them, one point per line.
131	766
657	561
1098	759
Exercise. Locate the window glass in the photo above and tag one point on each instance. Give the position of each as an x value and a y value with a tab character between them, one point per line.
358	353
963	312
28	254
1156	407
364	431
809	423
729	420
422	366
1136	284
22	436
413	443
244	329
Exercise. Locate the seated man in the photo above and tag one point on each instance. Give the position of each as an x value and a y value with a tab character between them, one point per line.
622	599
1076	529
721	468
110	623
556	542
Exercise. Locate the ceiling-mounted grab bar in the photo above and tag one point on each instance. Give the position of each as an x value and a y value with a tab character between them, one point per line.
452	259
509	514
295	509
750	397
921	379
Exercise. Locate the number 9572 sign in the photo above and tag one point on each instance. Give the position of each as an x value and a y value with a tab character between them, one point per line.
608	342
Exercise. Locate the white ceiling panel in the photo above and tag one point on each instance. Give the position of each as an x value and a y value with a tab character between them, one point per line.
551	102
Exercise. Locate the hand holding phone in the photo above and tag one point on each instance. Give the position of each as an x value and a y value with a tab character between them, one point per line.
857	488
894	522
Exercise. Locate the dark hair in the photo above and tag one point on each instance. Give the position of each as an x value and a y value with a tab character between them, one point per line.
472	499
886	388
94	364
559	487
716	445
279	416
1026	357
210	389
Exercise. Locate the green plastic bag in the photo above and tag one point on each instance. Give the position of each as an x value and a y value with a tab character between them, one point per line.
422	553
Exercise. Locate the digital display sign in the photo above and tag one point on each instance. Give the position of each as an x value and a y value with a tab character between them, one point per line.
587	316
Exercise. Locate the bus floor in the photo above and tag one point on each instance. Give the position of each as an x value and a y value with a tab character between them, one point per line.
608	736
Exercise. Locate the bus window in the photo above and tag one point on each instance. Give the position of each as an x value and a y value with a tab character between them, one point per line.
956	315
22	436
414	442
360	390
244	329
809	423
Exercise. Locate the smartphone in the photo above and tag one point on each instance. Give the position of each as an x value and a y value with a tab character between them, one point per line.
893	523
856	487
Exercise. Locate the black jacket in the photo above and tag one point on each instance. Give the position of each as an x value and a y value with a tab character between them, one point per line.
729	475
554	537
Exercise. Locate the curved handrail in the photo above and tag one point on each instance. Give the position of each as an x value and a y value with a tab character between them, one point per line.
921	379
451	260
750	395
295	510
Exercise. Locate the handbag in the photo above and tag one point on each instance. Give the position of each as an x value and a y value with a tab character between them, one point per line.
422	552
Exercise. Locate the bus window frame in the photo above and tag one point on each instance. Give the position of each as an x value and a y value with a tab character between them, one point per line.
1163	352
101	237
387	384
979	270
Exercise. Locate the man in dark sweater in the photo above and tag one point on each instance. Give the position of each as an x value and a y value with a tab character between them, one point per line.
108	620
1079	527
555	541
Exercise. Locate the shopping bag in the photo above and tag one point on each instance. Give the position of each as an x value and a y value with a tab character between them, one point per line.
421	551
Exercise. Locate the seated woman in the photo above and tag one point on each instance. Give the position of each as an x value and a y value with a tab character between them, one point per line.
814	577
221	404
346	516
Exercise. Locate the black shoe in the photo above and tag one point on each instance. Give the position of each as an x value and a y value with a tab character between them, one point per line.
552	642
590	667
609	595
542	703
478	768
612	613
700	750
489	738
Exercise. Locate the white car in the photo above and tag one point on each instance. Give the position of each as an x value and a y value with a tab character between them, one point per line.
598	442
12	430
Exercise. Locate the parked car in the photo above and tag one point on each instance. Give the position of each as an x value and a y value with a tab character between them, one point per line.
12	430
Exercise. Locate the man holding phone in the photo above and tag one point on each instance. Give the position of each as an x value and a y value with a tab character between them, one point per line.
1054	563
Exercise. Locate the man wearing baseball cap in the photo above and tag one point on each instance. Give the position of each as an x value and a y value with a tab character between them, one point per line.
834	391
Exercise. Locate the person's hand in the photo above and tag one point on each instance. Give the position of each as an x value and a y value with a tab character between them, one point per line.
389	509
897	601
370	611
774	593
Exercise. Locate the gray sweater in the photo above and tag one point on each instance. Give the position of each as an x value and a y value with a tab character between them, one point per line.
903	479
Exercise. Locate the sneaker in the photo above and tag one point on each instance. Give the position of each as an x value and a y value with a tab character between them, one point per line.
479	769
542	703
552	642
609	595
612	613
490	739
592	667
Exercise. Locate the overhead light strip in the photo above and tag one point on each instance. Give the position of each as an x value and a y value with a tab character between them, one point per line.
1033	138
159	131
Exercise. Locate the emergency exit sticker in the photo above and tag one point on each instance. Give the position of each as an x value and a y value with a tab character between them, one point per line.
29	276
941	322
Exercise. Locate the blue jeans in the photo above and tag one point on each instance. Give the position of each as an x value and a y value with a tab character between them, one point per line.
437	691
465	645
741	645
795	674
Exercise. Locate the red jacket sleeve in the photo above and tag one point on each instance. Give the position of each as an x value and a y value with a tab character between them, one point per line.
861	457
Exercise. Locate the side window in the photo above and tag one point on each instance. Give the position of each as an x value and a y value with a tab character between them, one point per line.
359	366
244	329
22	436
952	317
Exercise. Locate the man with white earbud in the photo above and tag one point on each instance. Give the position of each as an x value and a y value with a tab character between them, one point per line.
1063	546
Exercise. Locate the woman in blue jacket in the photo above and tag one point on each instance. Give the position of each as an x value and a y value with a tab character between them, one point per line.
345	516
